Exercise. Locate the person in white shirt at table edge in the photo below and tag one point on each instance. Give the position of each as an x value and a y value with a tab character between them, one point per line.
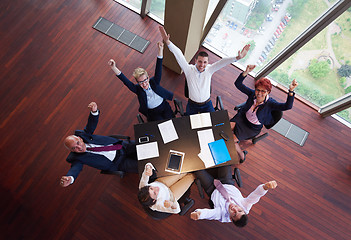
237	208
199	76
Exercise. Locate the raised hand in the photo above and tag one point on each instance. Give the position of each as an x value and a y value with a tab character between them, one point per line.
195	215
250	67
164	35
65	181
270	185
148	170
293	85
92	106
243	52
112	63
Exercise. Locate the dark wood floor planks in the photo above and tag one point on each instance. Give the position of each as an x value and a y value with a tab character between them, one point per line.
53	64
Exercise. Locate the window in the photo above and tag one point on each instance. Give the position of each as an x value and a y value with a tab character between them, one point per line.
157	8
134	5
322	66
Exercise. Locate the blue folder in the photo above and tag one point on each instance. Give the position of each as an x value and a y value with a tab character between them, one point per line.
219	151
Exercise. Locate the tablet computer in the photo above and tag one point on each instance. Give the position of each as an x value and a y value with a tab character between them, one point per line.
175	161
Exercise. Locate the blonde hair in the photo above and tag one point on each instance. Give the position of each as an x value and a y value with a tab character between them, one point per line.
139	72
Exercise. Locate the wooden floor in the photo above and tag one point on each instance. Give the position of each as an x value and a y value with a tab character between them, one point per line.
53	63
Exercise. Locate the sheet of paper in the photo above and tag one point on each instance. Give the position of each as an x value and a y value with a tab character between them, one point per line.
200	120
205	137
168	131
206	157
147	150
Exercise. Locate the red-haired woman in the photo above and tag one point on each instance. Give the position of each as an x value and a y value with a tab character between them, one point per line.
257	110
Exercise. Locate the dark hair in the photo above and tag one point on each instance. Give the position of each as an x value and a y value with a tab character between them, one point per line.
202	54
265	83
144	197
242	221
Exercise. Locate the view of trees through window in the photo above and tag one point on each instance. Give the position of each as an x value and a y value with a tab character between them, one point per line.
322	66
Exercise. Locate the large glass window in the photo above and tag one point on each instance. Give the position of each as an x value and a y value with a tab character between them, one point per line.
157	8
269	26
322	66
135	5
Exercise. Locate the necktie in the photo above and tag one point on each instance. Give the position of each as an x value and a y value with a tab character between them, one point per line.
221	189
105	148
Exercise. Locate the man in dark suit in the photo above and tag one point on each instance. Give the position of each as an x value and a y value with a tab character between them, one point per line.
85	150
151	96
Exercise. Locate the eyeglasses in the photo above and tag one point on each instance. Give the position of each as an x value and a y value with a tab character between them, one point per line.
144	81
260	91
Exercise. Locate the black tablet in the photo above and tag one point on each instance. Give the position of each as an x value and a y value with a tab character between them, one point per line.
175	161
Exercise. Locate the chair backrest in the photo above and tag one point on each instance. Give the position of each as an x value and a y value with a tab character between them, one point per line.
156	214
219	104
178	106
277	115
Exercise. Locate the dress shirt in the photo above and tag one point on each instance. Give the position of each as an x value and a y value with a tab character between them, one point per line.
251	115
221	206
199	83
153	100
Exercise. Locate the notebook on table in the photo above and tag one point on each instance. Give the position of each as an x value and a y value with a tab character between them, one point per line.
219	151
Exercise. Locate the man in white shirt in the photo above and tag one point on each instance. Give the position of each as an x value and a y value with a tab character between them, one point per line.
236	208
198	76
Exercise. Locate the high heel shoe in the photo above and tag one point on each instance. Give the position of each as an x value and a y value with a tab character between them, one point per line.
243	160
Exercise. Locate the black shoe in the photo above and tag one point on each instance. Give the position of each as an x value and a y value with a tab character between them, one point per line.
243	160
118	173
188	204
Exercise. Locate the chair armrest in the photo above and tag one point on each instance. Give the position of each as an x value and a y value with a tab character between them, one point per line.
237	107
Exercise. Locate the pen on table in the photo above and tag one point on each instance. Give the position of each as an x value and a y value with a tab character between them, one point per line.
219	124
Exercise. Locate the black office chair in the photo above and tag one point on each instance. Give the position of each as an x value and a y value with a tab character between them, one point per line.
118	173
276	114
178	107
188	203
236	177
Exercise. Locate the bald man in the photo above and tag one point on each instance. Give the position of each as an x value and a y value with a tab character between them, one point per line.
86	149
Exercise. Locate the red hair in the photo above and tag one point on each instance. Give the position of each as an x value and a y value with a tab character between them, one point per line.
265	83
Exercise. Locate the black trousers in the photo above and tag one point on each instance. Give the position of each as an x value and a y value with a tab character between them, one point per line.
162	112
206	177
126	159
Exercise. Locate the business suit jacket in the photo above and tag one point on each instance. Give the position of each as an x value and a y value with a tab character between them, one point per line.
264	111
98	161
154	84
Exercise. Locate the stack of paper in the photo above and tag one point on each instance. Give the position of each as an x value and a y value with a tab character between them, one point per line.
206	137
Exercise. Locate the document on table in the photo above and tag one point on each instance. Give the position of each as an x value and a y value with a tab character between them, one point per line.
200	120
168	131
206	137
147	150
